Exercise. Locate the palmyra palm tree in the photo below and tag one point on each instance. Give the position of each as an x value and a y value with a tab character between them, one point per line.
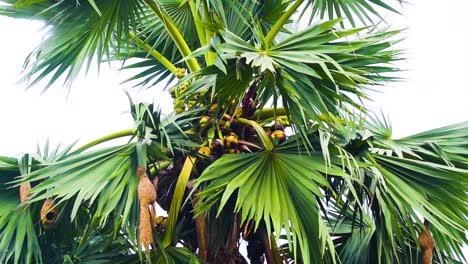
269	144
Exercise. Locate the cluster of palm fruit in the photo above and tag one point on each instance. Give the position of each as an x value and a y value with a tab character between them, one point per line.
223	128
180	101
160	223
180	73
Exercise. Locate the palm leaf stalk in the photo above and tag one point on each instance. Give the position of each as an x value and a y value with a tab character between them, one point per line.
268	143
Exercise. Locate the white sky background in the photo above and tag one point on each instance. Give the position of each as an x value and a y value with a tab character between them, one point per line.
434	94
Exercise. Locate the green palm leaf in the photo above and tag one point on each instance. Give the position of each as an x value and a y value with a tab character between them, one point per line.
78	34
363	10
105	177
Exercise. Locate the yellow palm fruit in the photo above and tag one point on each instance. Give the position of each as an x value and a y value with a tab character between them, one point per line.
164	222
159	220
205	151
278	135
213	107
231	141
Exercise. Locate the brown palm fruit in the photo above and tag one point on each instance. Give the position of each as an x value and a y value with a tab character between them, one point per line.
427	243
278	136
172	92
49	214
146	196
217	146
277	127
24	195
238	112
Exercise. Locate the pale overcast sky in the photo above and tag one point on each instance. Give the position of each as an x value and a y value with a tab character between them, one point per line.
434	94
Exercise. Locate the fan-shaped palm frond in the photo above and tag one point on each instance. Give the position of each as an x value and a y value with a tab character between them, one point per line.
279	188
366	11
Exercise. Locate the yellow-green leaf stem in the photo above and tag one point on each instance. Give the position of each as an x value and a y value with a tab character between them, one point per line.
160	165
280	23
175	35
269	112
208	34
158	56
177	198
119	134
197	21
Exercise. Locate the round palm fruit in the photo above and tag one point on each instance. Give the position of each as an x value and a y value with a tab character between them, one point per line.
172	91
178	102
277	127
238	112
204	120
278	135
234	151
182	89
217	145
159	220
190	104
232	140
180	73
179	110
205	151
164	222
234	135
213	107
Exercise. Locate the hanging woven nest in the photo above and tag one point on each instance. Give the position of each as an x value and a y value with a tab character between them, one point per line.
49	214
146	196
146	190
427	243
24	195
